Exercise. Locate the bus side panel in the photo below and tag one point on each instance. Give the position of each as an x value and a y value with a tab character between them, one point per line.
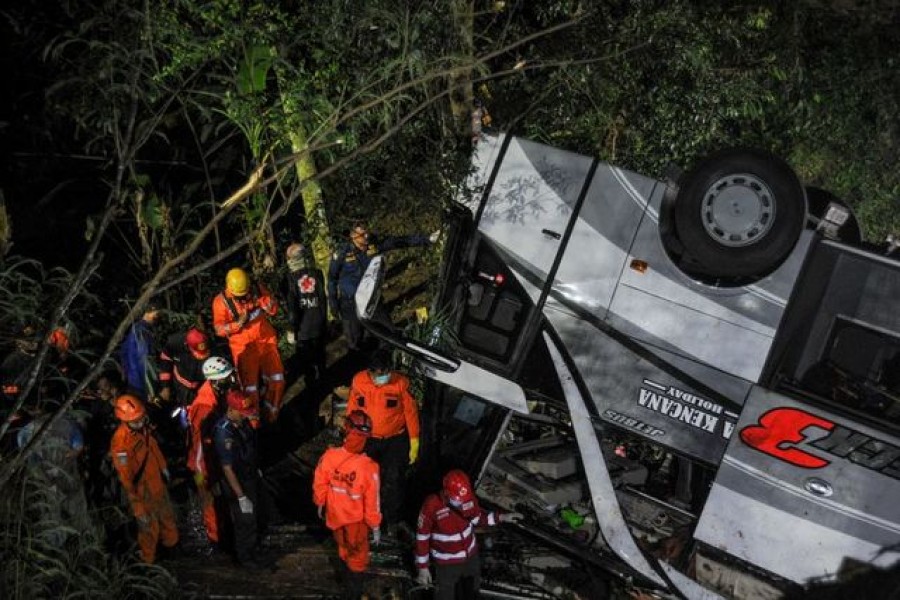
800	490
635	390
531	202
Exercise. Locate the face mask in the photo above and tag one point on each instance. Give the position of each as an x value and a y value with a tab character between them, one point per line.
138	424
381	379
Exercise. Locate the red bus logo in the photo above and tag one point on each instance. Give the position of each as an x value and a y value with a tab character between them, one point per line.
779	430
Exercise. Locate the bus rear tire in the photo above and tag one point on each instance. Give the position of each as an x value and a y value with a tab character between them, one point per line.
738	214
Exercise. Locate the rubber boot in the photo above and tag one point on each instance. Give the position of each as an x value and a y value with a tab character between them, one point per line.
355	585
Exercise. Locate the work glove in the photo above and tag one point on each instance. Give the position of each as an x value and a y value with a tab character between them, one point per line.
199	479
291	338
246	505
321	512
376	537
424	577
434	236
511	517
270	412
413	450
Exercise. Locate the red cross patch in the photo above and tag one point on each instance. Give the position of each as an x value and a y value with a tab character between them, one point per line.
307	284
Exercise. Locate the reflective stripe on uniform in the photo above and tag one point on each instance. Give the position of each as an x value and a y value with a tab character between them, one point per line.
183	380
454	555
340	490
452	537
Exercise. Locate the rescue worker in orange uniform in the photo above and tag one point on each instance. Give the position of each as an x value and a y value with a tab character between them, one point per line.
240	314
203	414
384	395
346	491
142	471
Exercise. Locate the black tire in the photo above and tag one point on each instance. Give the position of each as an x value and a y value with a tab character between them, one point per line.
818	201
738	214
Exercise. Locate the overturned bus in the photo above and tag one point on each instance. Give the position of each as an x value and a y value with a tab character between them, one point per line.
692	383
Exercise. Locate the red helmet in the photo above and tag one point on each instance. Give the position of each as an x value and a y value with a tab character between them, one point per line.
197	343
458	489
358	421
241	402
129	408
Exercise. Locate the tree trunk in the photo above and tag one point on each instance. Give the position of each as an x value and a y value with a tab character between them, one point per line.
316	235
460	81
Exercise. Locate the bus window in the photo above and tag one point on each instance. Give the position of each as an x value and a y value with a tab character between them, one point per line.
496	311
860	370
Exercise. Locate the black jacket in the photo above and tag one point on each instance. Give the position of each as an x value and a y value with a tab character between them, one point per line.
306	303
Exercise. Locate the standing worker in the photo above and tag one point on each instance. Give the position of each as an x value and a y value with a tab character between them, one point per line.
142	471
306	304
346	491
203	415
235	442
240	314
446	534
54	465
384	395
348	264
137	353
181	366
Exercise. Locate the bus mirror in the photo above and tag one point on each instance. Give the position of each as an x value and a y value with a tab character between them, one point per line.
436	365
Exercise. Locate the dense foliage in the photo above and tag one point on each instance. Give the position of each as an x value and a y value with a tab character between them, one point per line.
128	123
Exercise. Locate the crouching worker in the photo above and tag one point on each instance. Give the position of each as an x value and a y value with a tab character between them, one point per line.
346	490
143	473
236	447
446	534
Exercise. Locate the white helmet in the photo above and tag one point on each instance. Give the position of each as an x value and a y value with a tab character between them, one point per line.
216	367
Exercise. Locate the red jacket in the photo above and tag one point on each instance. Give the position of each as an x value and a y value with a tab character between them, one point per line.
446	535
391	407
348	485
203	413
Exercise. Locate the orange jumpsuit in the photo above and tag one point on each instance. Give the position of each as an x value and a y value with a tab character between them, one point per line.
202	415
254	347
347	484
140	465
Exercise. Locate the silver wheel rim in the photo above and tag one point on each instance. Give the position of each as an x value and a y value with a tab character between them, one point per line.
738	210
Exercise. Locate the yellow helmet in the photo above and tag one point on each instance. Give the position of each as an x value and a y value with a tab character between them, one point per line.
237	282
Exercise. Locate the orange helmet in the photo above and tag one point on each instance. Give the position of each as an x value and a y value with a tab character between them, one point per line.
237	282
129	408
59	340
